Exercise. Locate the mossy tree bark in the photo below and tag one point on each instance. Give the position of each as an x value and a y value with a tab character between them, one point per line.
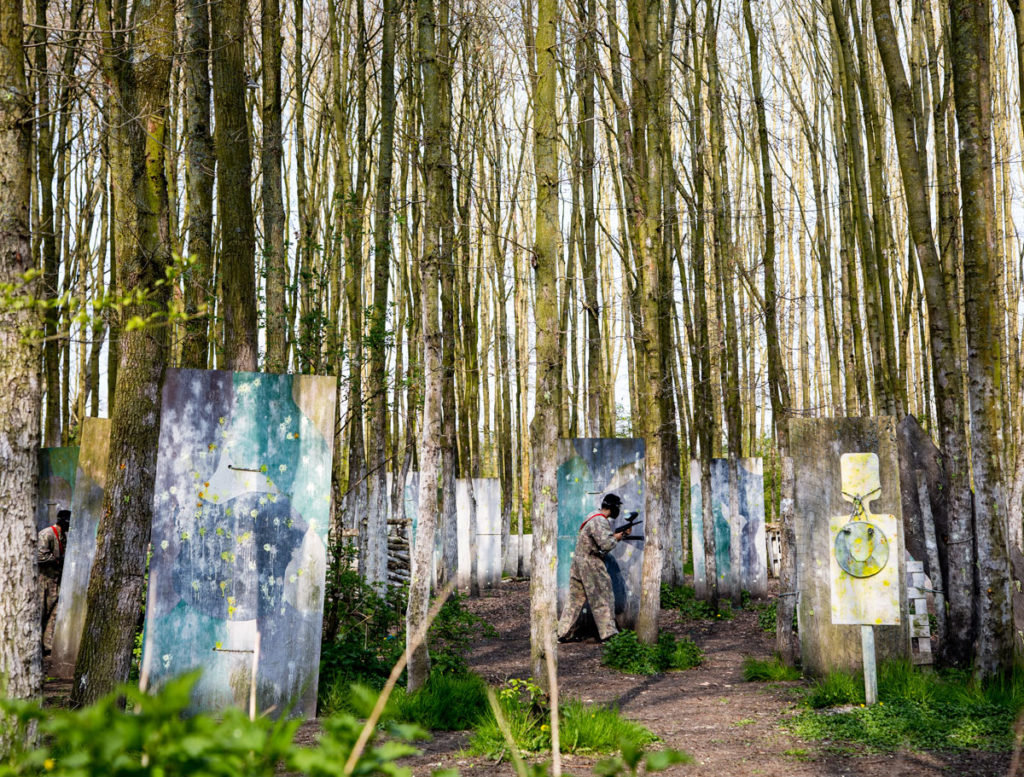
20	394
199	177
970	31
275	256
945	364
136	59
234	178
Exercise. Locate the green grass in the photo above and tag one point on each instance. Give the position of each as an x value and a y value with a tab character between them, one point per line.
627	653
772	670
917	710
445	703
583	729
835	690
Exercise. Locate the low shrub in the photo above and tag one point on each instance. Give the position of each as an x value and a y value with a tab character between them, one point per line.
772	670
370	638
583	728
684	599
627	653
766	617
452	633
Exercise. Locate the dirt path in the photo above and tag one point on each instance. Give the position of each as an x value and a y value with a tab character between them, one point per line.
731	727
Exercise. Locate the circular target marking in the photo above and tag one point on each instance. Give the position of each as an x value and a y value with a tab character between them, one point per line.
861	549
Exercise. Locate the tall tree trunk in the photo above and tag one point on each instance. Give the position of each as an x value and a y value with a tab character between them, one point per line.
430	274
136	63
47	228
20	659
945	365
597	410
971	29
375	564
199	175
274	254
544	427
234	176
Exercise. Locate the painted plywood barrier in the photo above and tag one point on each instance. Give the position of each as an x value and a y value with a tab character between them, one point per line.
487	495
741	525
850	552
86	509
512	554
589	468
865	589
240	516
57	468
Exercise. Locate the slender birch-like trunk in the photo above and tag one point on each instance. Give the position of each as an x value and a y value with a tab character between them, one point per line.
20	391
544	427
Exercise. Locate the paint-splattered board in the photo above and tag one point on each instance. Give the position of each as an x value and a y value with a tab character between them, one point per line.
240	516
744	525
589	468
56	483
86	509
818	446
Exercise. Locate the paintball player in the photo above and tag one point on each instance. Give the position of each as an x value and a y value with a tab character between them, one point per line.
50	548
589	581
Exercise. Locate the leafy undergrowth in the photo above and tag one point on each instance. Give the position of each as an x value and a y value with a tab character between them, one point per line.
766	616
684	599
370	638
154	735
917	710
771	670
628	654
583	728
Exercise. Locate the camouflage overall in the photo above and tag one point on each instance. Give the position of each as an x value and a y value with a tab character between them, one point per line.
589	581
50	556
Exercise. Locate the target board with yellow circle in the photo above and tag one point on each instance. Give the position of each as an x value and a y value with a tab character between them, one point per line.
863	564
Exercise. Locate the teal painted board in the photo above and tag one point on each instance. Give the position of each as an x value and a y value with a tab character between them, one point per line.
723	531
241	510
752	536
86	509
57	467
700	584
747	528
589	468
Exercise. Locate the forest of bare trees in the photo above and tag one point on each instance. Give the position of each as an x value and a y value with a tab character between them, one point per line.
499	224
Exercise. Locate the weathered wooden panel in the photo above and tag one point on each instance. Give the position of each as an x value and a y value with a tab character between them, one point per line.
512	554
86	509
589	468
817	445
57	467
739	528
487	494
241	509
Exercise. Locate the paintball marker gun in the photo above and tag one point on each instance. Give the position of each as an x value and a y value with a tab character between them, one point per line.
631	521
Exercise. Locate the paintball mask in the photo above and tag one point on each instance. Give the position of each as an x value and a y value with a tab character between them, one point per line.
613	503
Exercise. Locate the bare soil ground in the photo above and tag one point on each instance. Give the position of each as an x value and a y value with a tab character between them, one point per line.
731	727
